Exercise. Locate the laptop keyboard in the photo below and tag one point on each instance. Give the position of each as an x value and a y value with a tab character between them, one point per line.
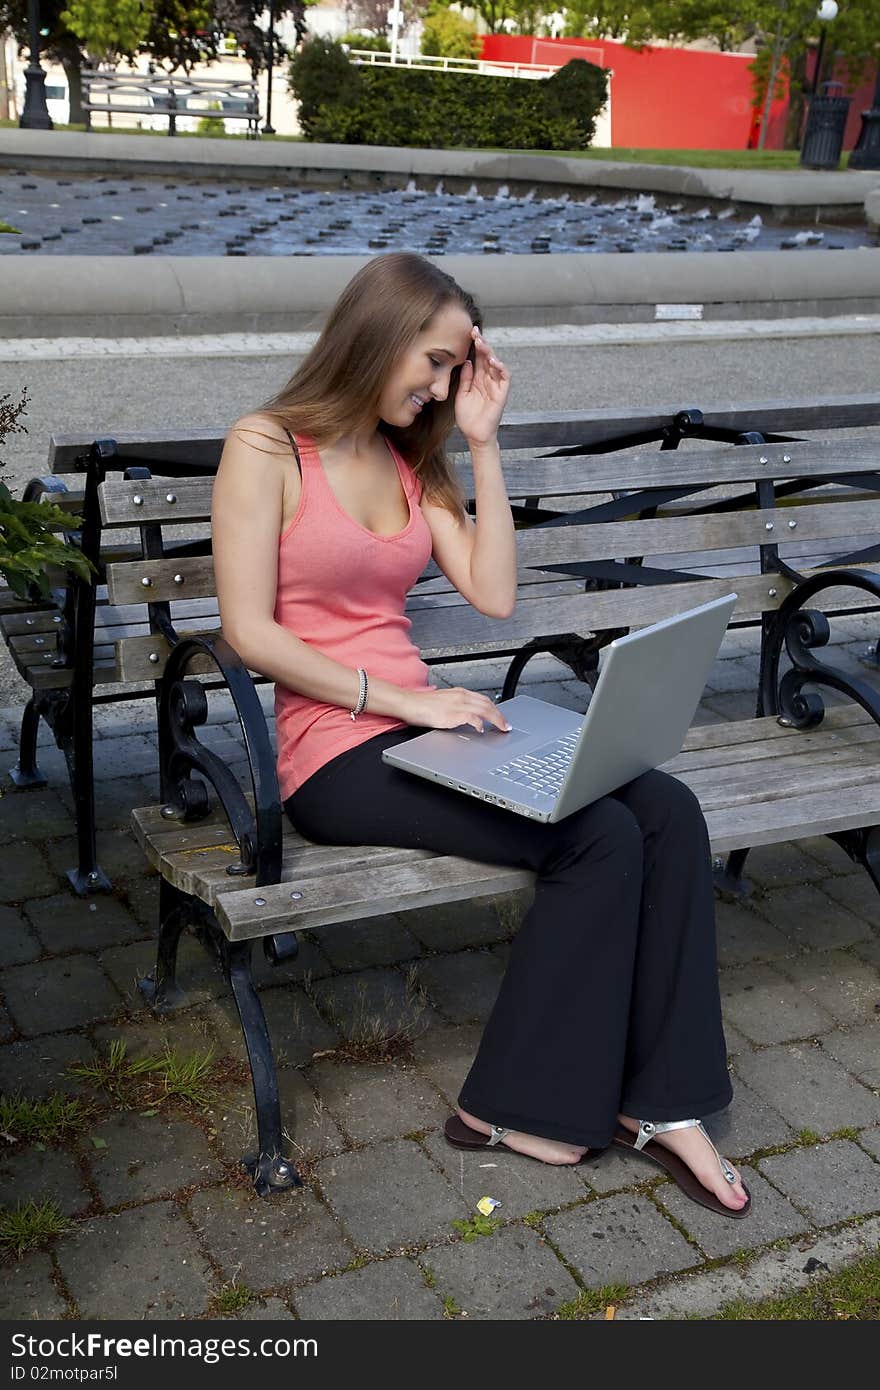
543	770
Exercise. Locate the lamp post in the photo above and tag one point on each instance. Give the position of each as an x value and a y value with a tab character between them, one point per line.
866	154
268	128
35	113
827	11
395	19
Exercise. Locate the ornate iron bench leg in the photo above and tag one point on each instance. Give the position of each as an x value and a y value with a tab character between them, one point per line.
728	877
161	988
270	1170
26	773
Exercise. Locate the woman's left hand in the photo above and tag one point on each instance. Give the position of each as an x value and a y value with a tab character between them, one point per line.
482	393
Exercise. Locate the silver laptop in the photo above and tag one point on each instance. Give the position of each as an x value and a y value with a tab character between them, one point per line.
554	761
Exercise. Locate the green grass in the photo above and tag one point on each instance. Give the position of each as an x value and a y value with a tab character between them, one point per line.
29	1226
592	1301
152	1081
694	159
6	227
181	134
852	1294
232	1298
46	1121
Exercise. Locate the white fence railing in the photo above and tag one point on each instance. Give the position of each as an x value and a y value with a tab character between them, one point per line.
426	62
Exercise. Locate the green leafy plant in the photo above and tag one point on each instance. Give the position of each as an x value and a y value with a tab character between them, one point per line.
211	125
28	1226
476	1227
152	1081
232	1298
446	34
30	543
7	227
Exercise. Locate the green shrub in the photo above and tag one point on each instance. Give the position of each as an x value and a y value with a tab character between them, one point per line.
375	43
321	76
346	104
449	35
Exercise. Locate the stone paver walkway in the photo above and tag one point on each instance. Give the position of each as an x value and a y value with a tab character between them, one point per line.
162	1223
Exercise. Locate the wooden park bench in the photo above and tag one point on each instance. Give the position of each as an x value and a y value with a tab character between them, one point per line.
232	866
171	96
67	648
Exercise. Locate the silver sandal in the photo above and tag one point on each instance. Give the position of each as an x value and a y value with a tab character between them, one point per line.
676	1167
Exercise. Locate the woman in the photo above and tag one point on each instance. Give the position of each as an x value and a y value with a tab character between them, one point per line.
328	504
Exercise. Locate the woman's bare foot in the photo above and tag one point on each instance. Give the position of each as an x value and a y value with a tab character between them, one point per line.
690	1146
547	1150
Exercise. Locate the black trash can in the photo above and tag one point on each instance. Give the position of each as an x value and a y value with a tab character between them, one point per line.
826	123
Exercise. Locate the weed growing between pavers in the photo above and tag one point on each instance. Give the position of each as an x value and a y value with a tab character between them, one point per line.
48	1121
852	1294
150	1082
28	1226
232	1298
477	1226
366	1036
451	1309
590	1302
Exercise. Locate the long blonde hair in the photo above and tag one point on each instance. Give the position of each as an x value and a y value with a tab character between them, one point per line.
336	388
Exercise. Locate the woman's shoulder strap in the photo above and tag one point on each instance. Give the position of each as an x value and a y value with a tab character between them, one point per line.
295	449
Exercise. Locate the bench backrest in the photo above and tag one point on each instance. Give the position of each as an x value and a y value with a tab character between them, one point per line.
749	534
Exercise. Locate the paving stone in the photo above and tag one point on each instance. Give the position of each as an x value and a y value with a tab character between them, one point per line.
28	1293
385	1291
832	855
744	936
522	1186
772	1217
454	926
117	798
143	1263
7	1027
129	756
125	717
389	1195
26	873
296	1028
148	1156
612	1169
809	1089
830	1182
775	866
445	1053
870	1139
184	1031
736	1041
197	972
767	1007
808	917
68	923
773	1273
857	893
142	897
376	941
463	986
377	1102
859	1050
18	943
57	994
272	1310
737	704
373	1001
573	695
264	1242
509	1276
869	951
37	1068
747	1124
307	1125
117	851
735	674
35	814
30	1174
619	1240
845	987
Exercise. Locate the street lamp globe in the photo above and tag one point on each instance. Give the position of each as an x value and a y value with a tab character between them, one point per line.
828	10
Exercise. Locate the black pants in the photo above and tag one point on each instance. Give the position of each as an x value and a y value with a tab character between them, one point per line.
610	1001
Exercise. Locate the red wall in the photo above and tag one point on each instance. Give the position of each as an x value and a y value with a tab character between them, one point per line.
662	98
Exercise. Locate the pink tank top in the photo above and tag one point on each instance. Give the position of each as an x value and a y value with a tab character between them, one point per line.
342	590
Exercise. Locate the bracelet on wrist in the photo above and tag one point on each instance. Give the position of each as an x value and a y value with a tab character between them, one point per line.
363	686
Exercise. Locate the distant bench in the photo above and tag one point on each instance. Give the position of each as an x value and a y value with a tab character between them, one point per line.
173	96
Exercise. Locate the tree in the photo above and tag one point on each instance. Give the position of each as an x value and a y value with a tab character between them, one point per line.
108	29
60	45
448	34
239	17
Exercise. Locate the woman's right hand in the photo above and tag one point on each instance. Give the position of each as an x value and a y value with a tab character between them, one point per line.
448	709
